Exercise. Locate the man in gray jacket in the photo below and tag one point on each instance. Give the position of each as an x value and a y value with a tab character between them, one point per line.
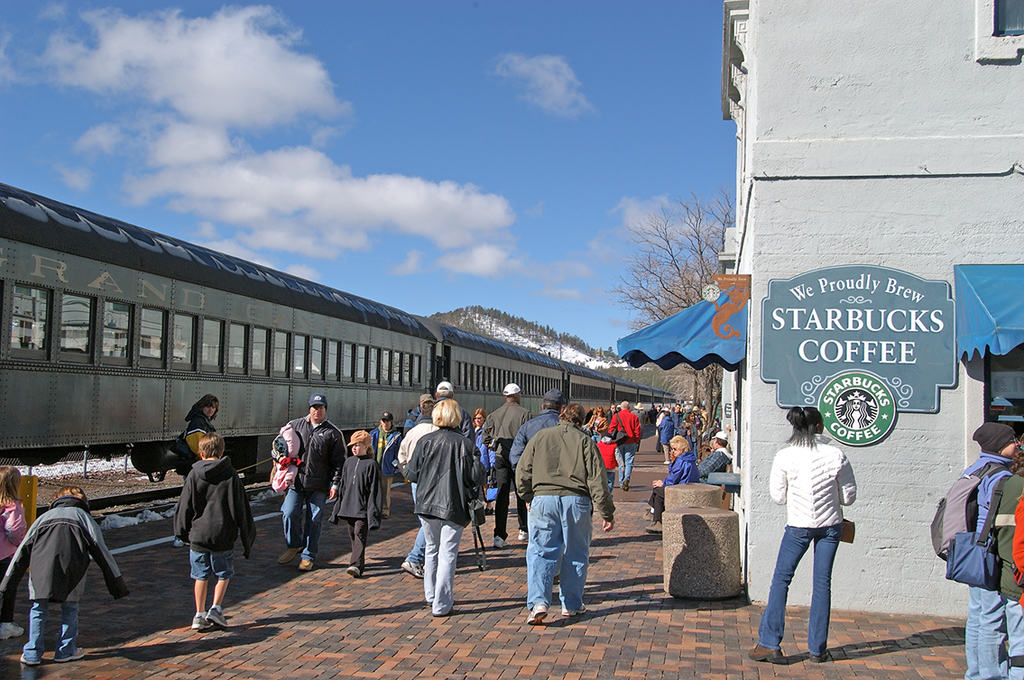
499	430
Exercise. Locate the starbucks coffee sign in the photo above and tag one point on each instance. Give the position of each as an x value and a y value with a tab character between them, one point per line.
861	343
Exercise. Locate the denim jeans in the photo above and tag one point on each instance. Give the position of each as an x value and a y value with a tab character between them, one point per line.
416	554
33	649
624	454
990	619
560	528
795	542
442	554
303	513
611	480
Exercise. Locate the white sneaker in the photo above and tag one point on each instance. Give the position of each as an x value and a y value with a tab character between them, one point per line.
499	542
578	612
537	615
9	630
524	536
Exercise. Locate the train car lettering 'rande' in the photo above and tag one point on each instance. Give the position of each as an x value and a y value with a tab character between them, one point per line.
114	331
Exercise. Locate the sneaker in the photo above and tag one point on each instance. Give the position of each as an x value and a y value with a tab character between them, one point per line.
306	565
200	622
28	662
79	653
575	612
668	462
413	568
354	571
537	615
288	555
759	653
215	617
177	542
625	485
9	630
524	535
500	542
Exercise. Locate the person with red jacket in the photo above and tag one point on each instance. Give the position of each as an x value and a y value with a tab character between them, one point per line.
626	421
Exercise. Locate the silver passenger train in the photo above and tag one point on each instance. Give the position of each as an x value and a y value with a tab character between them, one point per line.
115	331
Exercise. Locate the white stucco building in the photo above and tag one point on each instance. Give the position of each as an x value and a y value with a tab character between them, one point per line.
873	133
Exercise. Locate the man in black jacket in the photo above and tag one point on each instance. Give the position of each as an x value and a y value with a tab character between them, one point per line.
499	431
322	452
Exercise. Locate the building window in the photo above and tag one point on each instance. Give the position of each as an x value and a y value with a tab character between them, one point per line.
260	350
184	342
236	348
213	334
117	318
1009	17
28	321
999	31
151	337
75	328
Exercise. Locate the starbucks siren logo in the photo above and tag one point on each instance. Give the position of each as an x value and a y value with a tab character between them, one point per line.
857	407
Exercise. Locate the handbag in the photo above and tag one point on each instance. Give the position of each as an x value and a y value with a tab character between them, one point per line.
619	435
849	531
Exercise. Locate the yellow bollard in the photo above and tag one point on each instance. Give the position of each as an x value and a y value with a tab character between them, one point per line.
29	490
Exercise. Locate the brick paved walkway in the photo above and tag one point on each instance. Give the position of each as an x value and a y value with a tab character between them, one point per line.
288	624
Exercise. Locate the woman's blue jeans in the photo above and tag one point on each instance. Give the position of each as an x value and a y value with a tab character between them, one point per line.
795	542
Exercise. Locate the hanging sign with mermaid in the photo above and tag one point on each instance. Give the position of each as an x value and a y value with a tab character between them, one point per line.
860	342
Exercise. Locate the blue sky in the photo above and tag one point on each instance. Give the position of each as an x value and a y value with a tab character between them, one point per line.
427	155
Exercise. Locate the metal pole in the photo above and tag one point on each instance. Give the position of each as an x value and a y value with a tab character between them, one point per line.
85	462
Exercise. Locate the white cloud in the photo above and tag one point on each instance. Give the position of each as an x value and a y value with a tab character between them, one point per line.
182	144
535	211
104	138
235	68
481	260
7	74
79	179
411	265
548	81
303	271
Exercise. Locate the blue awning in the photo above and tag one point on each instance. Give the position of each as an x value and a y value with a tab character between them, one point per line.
989	308
692	336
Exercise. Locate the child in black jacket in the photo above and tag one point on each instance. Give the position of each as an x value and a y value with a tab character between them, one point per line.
359	499
212	511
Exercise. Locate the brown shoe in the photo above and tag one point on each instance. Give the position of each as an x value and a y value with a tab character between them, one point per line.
759	653
306	565
288	555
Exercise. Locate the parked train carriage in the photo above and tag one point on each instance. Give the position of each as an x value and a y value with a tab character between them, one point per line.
588	387
116	331
480	367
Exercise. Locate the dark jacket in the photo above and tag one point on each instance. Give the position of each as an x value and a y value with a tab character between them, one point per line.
57	548
322	451
198	426
447	470
359	495
500	430
213	509
389	461
547	418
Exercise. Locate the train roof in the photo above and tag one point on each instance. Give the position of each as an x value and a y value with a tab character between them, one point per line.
44	222
462	338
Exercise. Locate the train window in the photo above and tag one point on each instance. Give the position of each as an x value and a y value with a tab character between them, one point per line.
332	360
76	328
347	358
396	368
360	363
299	356
183	350
236	348
151	336
316	358
260	355
414	374
280	354
29	310
373	365
213	335
385	366
117	319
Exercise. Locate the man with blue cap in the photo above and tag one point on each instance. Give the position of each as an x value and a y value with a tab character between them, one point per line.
321	451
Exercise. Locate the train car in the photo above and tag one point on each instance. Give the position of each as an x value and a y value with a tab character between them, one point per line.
115	331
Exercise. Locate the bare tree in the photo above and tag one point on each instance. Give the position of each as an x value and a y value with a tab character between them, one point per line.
675	256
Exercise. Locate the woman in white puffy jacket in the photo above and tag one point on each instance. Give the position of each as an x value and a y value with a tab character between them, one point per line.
813	480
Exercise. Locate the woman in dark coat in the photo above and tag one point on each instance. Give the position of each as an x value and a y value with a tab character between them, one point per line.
446	469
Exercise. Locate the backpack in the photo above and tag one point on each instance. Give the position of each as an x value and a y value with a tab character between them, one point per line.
957	512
